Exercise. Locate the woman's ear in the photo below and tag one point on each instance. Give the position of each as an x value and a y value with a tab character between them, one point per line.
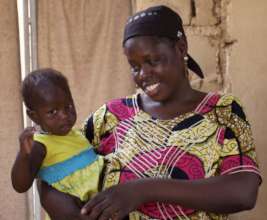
181	46
33	116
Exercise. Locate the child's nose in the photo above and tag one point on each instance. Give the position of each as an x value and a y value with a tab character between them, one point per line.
63	114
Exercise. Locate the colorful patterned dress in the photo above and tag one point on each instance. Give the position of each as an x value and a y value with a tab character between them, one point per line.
70	165
214	139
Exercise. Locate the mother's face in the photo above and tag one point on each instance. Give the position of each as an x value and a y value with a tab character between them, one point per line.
157	65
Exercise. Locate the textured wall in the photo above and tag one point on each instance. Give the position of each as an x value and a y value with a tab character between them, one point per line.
227	38
82	38
202	21
247	74
12	205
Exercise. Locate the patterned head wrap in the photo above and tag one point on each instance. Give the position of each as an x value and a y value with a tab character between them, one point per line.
159	21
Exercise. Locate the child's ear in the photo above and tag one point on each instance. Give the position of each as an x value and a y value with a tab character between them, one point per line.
32	115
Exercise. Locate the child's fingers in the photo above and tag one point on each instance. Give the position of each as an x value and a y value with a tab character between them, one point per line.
26	139
30	130
27	133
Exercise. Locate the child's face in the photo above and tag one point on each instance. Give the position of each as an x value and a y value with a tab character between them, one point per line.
55	111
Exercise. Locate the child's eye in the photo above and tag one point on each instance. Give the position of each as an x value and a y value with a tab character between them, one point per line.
52	112
69	107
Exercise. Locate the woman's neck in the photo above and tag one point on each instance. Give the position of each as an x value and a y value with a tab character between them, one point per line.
169	109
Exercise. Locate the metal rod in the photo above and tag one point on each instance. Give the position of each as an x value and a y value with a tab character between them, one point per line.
28	62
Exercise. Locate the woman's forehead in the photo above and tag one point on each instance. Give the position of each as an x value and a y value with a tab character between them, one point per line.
142	44
145	44
139	40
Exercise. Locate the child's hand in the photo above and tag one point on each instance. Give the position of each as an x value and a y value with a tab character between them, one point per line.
26	140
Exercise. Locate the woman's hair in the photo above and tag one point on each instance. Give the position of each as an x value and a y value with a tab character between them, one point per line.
162	22
41	79
159	21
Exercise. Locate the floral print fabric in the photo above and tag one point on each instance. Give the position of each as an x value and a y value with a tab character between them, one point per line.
214	139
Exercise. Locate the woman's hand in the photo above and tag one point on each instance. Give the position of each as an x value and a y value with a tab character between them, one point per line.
230	194
114	203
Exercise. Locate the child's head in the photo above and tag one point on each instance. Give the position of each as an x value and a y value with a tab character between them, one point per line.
49	102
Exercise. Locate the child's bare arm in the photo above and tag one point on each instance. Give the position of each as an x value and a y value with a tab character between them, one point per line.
60	205
28	161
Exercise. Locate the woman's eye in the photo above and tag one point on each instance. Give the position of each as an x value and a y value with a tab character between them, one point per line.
154	62
135	69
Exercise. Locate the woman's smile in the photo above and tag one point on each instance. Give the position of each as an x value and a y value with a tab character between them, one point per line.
159	68
152	89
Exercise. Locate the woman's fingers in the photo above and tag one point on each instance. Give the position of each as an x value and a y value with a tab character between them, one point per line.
101	207
110	213
106	210
93	206
113	203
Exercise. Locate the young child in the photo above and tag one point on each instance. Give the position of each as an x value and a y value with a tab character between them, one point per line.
57	153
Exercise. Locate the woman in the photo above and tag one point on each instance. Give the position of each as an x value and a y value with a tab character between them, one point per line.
172	152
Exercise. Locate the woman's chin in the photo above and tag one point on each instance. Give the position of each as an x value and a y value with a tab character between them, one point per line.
154	94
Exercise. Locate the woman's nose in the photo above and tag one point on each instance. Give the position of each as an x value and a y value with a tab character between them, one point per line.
145	71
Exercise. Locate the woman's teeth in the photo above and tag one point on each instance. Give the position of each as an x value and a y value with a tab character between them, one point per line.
151	87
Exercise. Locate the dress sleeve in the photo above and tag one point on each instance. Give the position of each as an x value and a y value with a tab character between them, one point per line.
237	152
98	129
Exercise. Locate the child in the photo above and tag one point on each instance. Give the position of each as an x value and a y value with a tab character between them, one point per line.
58	154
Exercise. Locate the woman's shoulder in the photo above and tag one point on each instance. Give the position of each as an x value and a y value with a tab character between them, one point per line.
109	115
127	101
216	101
229	105
224	105
122	108
227	99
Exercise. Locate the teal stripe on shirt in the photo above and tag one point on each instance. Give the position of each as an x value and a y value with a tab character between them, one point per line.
58	171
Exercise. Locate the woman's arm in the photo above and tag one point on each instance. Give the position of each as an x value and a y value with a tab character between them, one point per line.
28	161
59	205
222	194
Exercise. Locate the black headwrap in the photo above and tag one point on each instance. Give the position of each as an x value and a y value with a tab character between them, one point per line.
159	21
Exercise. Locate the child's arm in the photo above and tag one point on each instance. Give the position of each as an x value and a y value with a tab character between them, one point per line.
28	161
60	205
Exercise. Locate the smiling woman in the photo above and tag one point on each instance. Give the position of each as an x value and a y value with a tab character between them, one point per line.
157	66
171	152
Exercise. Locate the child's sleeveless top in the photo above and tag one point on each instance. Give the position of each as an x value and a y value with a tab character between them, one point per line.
71	165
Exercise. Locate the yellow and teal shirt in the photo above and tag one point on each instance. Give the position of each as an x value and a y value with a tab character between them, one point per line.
70	165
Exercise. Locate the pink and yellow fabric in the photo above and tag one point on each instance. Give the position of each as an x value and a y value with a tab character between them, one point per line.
214	139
